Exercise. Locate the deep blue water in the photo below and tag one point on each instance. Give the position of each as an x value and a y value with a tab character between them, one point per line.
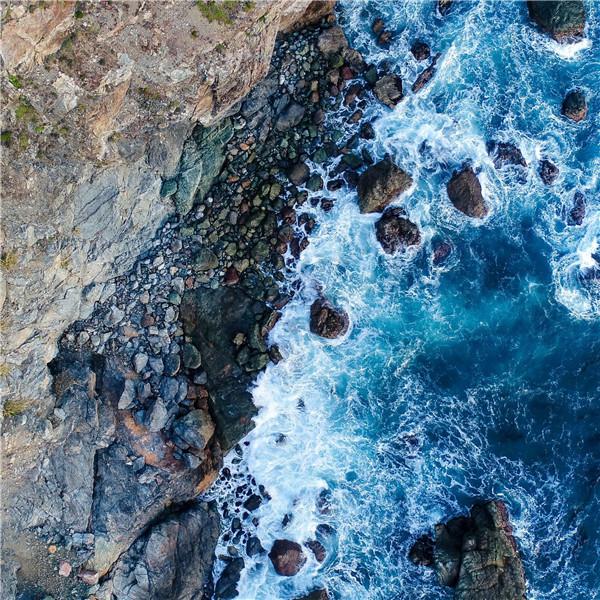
476	379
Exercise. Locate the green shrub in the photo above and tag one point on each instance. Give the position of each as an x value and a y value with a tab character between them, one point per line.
16	82
221	12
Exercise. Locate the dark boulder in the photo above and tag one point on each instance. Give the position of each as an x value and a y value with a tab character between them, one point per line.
577	212
254	547
317	549
380	184
332	41
420	50
377	26
287	557
395	232
226	587
388	90
320	594
477	555
464	191
548	171
326	320
561	19
299	173
421	552
290	116
444	6
574	106
504	154
195	429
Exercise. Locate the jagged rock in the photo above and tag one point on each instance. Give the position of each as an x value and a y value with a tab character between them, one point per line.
420	50
477	555
253	546
212	318
574	106
192	359
172	560
299	173
444	6
395	232
317	549
320	594
577	212
196	428
505	153
287	557
326	320
226	587
562	19
378	26
290	116
441	251
548	171
380	184
425	76
464	191
388	90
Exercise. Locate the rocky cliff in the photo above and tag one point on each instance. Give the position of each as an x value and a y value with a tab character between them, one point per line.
100	102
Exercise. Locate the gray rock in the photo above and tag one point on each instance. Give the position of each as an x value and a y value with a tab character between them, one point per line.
140	360
127	399
205	260
299	173
157	416
332	41
157	365
290	116
381	184
172	364
196	428
226	587
388	90
564	20
192	359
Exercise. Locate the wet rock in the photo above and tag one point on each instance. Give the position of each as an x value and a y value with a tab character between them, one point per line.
226	587
384	38
425	76
577	212
548	171
196	428
420	50
231	277
320	594
299	173
464	191
252	503
441	251
367	132
421	552
172	364
253	546
317	549
290	116
380	184
172	559
477	555
444	6
388	90
505	154
205	260
564	20
326	320
378	26
574	106
395	232
287	557
332	41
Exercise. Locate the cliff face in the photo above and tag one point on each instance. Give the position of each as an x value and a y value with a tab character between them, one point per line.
99	99
100	103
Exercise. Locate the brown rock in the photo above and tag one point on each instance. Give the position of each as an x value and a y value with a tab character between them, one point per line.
388	90
89	577
380	184
287	557
464	191
574	106
420	50
548	171
395	232
64	568
326	320
318	549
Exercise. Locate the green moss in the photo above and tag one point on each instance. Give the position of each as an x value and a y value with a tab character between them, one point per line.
8	260
149	93
15	406
6	138
248	5
23	141
25	112
221	12
16	82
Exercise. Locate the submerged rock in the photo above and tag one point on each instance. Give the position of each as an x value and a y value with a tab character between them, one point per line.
388	90
574	106
287	557
561	19
464	191
326	320
444	6
320	594
505	153
380	184
425	76
477	555
441	251
226	587
548	171
395	232
290	116
577	213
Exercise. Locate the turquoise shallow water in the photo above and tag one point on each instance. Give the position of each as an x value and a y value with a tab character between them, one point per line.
477	379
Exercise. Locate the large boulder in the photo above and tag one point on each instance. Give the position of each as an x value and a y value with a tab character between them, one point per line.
290	116
476	554
505	154
577	212
287	557
574	106
319	594
563	20
395	232
464	191
548	171
326	320
380	184
388	90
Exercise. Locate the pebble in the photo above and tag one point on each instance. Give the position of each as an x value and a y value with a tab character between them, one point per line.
64	568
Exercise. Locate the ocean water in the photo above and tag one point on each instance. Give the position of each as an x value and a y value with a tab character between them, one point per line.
472	380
